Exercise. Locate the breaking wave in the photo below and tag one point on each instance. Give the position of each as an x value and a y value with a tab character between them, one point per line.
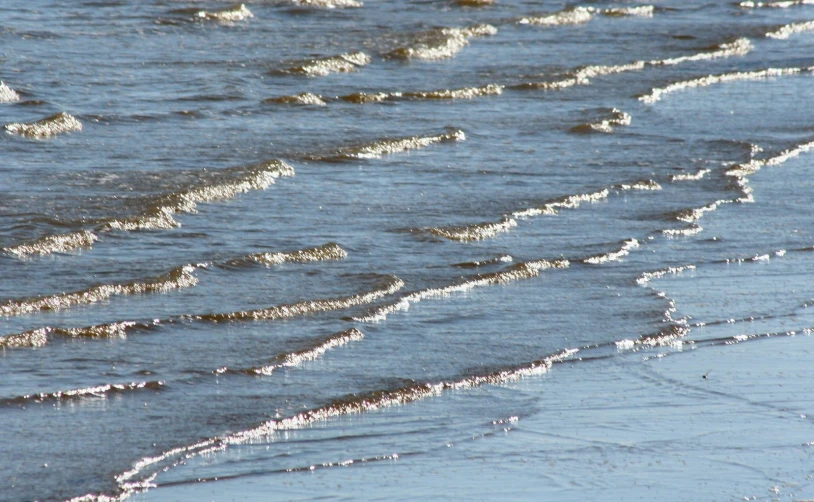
231	14
581	15
616	118
325	252
382	147
319	67
99	391
441	43
790	29
7	94
316	349
304	98
514	273
49	126
177	278
657	93
613	255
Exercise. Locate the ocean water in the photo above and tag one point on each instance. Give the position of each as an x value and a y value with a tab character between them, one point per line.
307	249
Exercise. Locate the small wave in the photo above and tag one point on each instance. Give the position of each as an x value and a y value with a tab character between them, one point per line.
7	94
49	126
226	184
658	274
54	244
304	98
570	16
656	93
463	93
567	202
739	47
757	258
514	273
177	278
754	165
441	43
775	5
229	15
581	76
669	337
476	232
790	29
317	349
99	391
695	214
306	307
581	15
683	232
39	337
328	4
490	261
639	11
148	467
614	255
617	118
646	185
320	67
382	147
474	3
690	176
325	252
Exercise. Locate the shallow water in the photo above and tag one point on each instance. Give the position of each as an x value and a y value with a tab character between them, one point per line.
250	243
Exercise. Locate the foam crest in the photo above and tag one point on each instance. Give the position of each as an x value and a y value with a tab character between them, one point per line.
330	251
514	273
361	98
748	168
646	277
54	244
304	98
441	43
475	232
49	126
775	5
645	185
639	11
231	14
695	214
617	118
690	176
758	258
28	339
657	93
567	202
318	348
177	278
382	147
320	67
683	232
581	76
7	94
739	47
463	93
790	29
99	391
570	16
328	4
614	255
306	307
483	263
346	405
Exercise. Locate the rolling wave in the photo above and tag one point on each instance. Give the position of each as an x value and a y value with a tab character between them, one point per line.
440	43
317	348
616	118
514	273
656	93
99	391
49	126
320	67
377	149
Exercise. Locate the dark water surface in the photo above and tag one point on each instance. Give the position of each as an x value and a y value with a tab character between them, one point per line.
262	241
